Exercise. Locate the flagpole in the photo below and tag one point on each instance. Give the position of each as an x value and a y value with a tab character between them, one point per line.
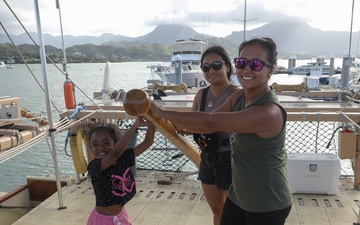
47	99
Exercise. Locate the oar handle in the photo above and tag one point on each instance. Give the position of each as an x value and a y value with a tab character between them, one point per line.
138	103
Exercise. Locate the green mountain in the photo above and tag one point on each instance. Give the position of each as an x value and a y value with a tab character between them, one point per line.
293	39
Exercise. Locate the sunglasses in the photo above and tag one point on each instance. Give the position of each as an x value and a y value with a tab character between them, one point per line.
217	65
254	64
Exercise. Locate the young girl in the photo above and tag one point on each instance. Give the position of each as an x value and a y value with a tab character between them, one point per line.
110	171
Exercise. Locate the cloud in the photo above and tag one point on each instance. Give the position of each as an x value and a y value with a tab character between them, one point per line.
138	17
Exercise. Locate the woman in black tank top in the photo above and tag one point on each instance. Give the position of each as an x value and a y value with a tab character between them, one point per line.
215	165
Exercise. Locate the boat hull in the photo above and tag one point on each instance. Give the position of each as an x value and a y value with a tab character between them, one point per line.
190	79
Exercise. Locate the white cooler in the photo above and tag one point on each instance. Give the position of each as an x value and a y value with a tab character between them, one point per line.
313	173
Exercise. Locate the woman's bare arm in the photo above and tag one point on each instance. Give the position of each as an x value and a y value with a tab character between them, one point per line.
266	120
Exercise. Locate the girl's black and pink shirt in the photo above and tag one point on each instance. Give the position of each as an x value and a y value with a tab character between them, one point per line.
116	184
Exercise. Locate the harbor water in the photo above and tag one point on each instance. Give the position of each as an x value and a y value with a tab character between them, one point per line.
22	83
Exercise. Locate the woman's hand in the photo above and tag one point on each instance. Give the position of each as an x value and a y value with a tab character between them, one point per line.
150	125
139	121
181	131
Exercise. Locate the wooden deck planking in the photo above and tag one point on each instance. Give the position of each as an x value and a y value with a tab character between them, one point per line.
179	209
165	206
201	213
78	200
136	206
184	200
174	202
326	209
293	218
323	210
351	194
182	210
153	212
145	191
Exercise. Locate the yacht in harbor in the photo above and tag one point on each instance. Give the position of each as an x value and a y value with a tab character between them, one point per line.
318	67
188	52
9	66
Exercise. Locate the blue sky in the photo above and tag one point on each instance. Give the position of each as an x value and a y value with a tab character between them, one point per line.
138	17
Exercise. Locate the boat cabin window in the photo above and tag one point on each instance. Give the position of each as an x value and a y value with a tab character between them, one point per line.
356	64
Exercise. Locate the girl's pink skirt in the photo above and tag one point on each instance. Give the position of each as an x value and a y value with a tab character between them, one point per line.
96	218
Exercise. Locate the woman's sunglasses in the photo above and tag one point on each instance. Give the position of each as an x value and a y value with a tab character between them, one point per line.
217	65
254	64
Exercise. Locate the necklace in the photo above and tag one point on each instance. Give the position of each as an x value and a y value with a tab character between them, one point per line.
212	99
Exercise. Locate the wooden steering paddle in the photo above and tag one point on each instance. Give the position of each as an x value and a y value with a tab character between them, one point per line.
137	103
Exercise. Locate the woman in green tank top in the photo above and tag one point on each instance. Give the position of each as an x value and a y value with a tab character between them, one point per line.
259	193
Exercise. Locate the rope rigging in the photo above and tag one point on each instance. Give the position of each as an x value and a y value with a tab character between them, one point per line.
64	73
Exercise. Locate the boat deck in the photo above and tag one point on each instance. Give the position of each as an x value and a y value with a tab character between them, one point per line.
172	198
115	109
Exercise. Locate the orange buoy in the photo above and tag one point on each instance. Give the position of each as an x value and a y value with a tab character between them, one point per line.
69	95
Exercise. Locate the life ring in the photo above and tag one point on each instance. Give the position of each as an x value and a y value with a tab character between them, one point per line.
76	148
202	83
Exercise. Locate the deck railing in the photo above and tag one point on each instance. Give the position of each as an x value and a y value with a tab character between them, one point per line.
312	127
307	132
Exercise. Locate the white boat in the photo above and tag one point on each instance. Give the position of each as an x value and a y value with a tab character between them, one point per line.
9	66
188	52
280	70
318	73
315	68
355	68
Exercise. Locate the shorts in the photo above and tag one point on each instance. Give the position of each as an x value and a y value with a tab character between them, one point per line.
216	169
96	218
233	215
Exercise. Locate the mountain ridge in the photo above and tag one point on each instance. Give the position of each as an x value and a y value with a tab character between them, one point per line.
292	38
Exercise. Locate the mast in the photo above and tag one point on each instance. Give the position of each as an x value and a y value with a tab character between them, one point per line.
345	73
62	38
244	21
47	100
69	88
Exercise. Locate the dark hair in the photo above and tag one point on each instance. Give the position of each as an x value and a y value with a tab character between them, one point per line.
267	43
108	128
220	51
